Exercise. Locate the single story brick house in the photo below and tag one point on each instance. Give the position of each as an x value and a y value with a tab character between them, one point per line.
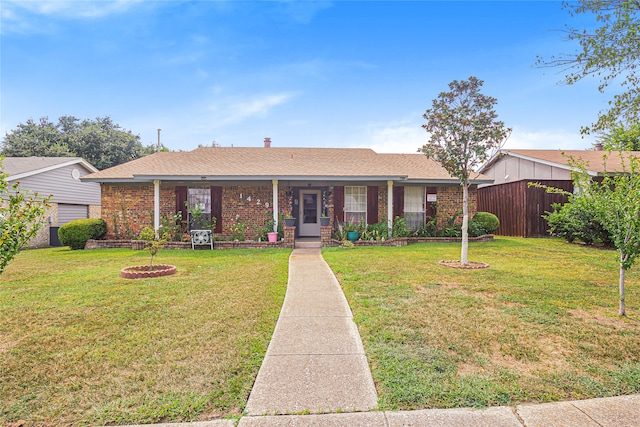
253	185
59	177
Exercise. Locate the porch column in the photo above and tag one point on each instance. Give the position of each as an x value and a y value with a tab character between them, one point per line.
156	205
390	206
275	205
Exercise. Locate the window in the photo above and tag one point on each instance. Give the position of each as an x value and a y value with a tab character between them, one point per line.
355	204
199	200
414	207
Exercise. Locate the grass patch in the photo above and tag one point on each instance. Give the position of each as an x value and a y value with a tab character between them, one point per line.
539	325
79	345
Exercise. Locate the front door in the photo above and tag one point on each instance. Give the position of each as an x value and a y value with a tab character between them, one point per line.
309	214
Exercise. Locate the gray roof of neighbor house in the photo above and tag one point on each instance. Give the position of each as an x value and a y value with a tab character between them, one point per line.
21	167
561	159
258	163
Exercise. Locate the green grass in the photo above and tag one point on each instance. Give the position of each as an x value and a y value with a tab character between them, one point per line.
79	345
539	325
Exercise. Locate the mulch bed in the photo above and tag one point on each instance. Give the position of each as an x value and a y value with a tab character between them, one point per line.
473	265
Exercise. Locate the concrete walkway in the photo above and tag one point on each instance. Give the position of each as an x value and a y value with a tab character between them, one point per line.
315	362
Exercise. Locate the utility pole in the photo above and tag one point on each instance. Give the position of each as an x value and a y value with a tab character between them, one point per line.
158	149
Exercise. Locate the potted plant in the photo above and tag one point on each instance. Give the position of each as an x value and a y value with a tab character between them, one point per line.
352	231
289	220
324	220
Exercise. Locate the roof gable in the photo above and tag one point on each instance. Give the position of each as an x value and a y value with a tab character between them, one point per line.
22	167
594	159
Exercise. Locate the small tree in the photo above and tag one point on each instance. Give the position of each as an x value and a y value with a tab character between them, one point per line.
153	244
616	200
21	217
464	132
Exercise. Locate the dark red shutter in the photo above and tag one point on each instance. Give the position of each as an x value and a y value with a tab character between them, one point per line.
216	207
181	199
372	205
338	203
398	202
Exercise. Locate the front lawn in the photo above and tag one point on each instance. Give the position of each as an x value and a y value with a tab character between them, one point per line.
79	345
539	325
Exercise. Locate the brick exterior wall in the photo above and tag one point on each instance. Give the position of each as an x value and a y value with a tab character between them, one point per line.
127	209
95	211
450	201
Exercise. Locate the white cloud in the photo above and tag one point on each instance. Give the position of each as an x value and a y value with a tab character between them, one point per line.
548	140
398	136
26	17
73	8
406	136
234	110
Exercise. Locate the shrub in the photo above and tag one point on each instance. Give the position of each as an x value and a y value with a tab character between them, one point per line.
577	220
399	228
483	223
76	233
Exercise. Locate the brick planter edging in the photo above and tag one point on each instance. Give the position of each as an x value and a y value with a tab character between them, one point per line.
220	244
143	272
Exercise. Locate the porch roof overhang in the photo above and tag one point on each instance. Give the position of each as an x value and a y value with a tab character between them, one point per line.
248	178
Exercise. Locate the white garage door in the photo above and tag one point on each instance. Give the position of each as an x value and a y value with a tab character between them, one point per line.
68	213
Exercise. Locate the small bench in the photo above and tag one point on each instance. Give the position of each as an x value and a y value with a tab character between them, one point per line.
201	238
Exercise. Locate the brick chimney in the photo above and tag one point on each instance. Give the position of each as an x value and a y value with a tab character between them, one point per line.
267	143
599	146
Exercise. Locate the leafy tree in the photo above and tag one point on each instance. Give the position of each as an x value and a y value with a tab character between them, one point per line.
21	217
611	53
464	131
101	142
620	138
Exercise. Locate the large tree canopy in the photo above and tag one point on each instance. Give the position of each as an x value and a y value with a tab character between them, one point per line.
611	53
620	138
464	131
101	142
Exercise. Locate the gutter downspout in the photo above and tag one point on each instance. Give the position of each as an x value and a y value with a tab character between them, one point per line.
276	217
390	207
156	205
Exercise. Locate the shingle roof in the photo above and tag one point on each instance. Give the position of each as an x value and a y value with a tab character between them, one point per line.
593	158
280	162
32	165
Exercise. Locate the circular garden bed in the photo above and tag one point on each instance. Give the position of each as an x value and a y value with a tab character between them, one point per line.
473	265
143	271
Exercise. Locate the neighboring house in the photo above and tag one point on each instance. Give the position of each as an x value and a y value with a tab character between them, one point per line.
519	206
60	178
253	185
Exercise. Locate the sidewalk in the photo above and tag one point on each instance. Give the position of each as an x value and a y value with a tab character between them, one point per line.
315	362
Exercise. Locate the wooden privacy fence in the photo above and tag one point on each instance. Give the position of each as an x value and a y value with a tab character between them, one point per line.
520	207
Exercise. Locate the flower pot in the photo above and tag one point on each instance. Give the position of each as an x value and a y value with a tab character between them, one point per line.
273	237
353	235
290	222
324	221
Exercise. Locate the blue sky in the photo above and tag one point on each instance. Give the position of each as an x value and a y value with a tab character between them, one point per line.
306	74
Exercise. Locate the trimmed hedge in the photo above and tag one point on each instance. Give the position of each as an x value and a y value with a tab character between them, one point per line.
76	233
483	223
